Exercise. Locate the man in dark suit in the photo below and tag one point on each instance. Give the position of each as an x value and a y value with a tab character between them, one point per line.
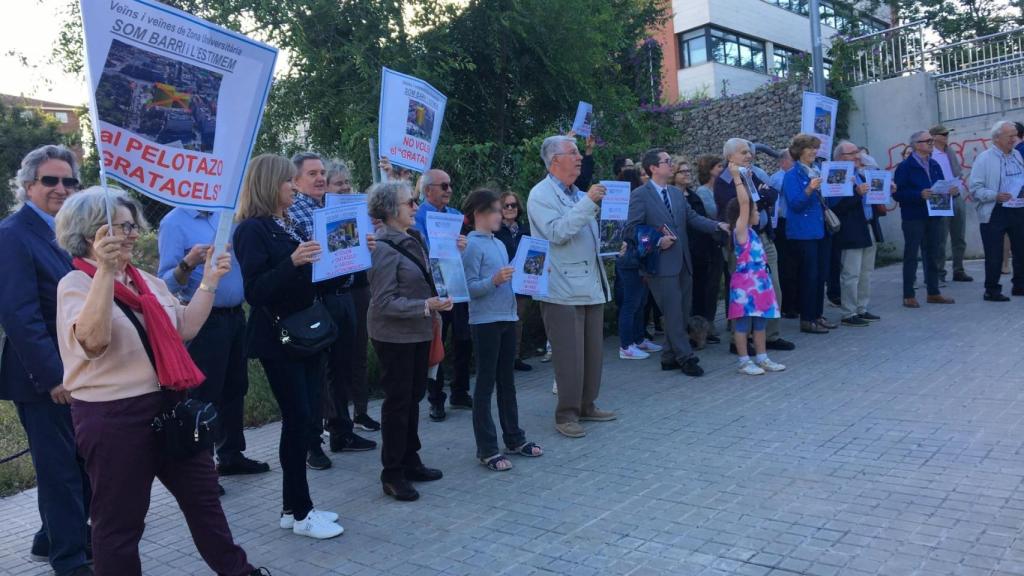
661	206
31	372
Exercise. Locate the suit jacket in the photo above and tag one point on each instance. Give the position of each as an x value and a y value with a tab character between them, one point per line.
575	271
32	266
273	285
646	206
854	231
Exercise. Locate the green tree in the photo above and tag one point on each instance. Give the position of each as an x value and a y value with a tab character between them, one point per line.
21	131
956	20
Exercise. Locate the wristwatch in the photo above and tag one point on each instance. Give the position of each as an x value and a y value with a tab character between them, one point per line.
184	267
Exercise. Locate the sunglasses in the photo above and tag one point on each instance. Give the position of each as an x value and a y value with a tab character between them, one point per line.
128	227
411	202
511	206
928	141
52	181
443	185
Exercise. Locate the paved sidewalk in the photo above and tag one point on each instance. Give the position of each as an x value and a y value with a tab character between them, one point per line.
896	449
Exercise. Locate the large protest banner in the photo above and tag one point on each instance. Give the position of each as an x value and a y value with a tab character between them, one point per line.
409	119
176	101
818	117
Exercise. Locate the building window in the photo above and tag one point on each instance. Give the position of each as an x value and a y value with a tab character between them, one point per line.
783	59
693	48
736	50
61	117
839	18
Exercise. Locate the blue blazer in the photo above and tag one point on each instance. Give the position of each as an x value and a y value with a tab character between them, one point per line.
854	232
911	180
273	285
805	219
32	266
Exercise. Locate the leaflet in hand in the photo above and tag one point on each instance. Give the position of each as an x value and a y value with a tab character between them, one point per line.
1014	185
837	179
614	211
940	203
341	232
748	182
879	186
225	224
530	274
331	200
450	279
443	230
583	123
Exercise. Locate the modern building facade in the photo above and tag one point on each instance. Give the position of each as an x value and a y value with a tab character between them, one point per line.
720	47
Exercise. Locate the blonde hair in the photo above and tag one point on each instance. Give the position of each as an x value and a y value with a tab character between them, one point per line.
261	185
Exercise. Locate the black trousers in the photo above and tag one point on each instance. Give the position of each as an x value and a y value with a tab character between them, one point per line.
63	487
1004	222
707	278
456	323
339	375
789	269
219	352
403	378
359	392
835	268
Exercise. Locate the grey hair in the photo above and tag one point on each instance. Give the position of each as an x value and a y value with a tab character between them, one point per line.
336	168
30	164
383	199
732	146
83	214
424	181
914	136
299	159
840	144
549	148
998	126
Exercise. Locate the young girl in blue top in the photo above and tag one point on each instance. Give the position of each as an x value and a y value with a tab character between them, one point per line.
751	296
492	323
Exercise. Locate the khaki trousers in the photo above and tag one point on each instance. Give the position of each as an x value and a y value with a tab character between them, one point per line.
576	334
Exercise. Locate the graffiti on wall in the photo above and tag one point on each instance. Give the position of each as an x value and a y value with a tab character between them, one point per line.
965	150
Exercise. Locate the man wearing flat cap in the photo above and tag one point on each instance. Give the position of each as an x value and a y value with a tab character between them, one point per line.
956	225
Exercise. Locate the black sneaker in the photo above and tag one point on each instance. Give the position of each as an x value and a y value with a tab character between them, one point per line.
996	297
461	403
317	460
522	366
855	321
713	339
220	489
869	317
352	443
240	465
364	422
691	367
437	413
40	551
260	572
82	571
780	344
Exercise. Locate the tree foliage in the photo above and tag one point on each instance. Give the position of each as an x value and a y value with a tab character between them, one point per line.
956	20
21	131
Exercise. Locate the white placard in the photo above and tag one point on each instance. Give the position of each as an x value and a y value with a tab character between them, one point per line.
443	230
818	117
940	203
837	179
530	273
331	200
176	100
879	186
614	211
1014	185
410	116
583	123
341	232
748	182
450	279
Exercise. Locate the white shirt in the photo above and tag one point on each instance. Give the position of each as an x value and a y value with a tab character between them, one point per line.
943	159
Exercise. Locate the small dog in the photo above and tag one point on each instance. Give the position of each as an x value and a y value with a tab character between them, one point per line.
698	328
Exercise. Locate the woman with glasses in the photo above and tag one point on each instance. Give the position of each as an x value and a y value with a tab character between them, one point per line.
113	322
513	228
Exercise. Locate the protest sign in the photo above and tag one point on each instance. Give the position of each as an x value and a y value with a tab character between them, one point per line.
341	232
409	119
443	230
836	179
940	203
176	101
331	200
450	279
530	271
879	186
614	210
584	121
818	117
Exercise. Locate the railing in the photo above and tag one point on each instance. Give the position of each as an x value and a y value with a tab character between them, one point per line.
995	88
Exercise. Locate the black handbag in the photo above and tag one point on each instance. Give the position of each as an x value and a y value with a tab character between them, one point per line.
307	331
188	426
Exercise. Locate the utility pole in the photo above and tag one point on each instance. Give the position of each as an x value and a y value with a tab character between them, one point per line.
817	58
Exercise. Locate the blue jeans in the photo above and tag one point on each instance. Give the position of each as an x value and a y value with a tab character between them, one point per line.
495	344
921	237
814	261
630	297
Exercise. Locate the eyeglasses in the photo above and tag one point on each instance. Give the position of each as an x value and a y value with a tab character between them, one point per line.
411	202
684	171
512	206
928	141
665	161
127	228
52	181
443	185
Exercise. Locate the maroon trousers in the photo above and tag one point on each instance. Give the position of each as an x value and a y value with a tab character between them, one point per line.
122	459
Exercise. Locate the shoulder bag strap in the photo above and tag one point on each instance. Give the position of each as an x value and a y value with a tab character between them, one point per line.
426	275
138	328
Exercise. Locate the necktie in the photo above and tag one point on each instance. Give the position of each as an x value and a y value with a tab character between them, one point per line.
664	197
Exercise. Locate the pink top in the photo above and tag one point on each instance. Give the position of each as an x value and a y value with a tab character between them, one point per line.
123	370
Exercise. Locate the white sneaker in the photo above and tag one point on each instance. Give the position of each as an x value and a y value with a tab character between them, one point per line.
750	369
554	387
632	353
770	366
287	520
316	526
648	346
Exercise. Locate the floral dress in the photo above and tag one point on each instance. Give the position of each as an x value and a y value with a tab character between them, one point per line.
750	288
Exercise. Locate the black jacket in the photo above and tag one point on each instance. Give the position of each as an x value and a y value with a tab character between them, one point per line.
853	234
511	241
274	287
702	245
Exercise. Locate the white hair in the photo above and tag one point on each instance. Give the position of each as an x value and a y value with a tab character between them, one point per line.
732	146
915	136
551	146
998	127
30	164
842	143
83	213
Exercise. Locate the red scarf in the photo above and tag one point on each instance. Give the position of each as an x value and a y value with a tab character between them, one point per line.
175	369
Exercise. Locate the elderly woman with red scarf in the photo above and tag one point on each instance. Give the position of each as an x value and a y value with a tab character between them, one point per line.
121	376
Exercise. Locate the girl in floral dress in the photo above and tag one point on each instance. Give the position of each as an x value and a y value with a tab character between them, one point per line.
751	296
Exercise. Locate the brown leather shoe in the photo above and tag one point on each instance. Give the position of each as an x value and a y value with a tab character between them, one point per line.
596	415
940	299
571	429
911	303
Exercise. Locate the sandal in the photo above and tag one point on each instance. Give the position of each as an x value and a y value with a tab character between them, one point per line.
495	462
530	450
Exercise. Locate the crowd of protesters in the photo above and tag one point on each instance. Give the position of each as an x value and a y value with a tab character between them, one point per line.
95	348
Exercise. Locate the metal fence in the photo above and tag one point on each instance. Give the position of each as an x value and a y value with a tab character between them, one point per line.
991	89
